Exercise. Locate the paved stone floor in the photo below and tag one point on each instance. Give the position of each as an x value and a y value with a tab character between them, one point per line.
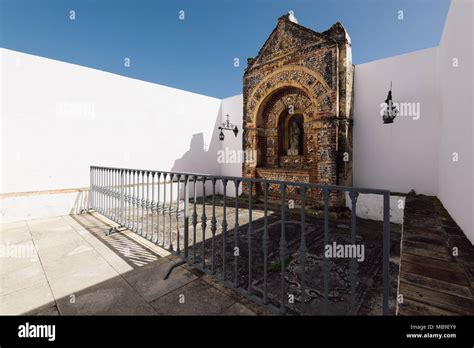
68	266
435	278
163	229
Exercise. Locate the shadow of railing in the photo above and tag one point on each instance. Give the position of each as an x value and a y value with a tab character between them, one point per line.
134	253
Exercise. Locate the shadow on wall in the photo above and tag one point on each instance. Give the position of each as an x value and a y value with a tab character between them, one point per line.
198	159
203	161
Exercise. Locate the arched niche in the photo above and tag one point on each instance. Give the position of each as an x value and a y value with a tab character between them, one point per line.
282	123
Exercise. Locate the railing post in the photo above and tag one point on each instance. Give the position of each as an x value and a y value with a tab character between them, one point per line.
143	204
386	252
129	196
236	234
352	263
122	199
147	203
186	218
203	222
114	195
134	201
170	213
158	208
106	192
152	205
249	238
164	211
194	219
283	247
265	241
224	230
326	265
213	225
178	248
303	249
98	196
91	188
102	192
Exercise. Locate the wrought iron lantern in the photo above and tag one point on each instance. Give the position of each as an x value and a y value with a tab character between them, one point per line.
391	110
227	125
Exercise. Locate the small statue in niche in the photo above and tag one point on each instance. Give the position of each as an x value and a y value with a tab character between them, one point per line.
295	133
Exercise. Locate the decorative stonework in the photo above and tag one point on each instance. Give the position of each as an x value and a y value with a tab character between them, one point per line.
298	106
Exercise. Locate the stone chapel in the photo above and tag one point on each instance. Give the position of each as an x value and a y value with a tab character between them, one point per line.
298	96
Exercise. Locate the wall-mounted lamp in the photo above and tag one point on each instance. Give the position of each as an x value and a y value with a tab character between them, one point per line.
391	110
227	126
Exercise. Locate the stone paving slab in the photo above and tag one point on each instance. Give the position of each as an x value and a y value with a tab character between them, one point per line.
24	300
48	311
112	297
197	297
13	233
150	284
74	268
20	278
238	309
80	279
24	254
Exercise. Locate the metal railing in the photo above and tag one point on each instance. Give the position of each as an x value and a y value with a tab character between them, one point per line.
251	258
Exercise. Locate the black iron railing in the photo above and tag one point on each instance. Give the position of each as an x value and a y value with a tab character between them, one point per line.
240	248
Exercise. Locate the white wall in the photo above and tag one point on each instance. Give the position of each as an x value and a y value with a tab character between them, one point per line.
57	119
370	206
403	155
231	146
234	107
418	154
455	180
42	205
123	122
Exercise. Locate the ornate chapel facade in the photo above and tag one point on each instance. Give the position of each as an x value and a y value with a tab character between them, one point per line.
298	96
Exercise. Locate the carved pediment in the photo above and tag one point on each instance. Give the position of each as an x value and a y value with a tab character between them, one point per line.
285	38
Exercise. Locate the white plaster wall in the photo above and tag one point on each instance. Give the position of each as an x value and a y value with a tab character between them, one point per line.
455	180
40	206
370	206
231	146
234	107
403	155
123	123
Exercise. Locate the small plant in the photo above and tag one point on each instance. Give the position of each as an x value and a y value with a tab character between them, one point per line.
276	265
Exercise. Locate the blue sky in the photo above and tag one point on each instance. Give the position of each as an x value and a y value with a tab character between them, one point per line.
197	53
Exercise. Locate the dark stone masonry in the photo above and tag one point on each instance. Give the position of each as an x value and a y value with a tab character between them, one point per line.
298	95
